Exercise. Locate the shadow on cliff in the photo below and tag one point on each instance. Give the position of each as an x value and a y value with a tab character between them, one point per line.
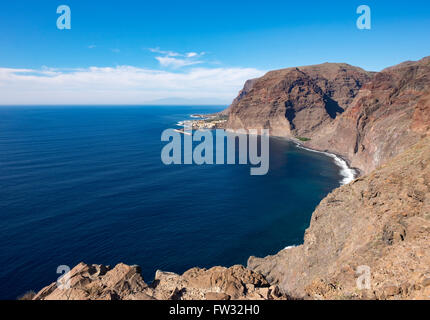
332	107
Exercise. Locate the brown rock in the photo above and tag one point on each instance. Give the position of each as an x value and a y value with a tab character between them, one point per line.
426	282
95	282
391	291
365	117
361	231
90	282
297	101
216	296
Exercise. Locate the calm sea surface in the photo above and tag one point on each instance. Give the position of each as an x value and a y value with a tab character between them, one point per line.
87	184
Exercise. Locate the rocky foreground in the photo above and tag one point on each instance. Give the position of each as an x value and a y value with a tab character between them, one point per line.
123	282
380	122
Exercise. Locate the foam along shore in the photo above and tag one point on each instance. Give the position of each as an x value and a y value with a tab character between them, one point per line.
183	132
289	247
188	124
348	174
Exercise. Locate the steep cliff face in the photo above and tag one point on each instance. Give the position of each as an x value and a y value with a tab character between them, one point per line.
389	114
297	101
381	221
366	117
249	84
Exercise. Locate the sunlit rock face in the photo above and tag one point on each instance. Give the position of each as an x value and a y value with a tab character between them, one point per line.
366	117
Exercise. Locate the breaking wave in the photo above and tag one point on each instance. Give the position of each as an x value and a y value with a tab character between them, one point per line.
346	172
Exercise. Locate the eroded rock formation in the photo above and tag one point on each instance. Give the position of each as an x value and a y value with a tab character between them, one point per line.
123	282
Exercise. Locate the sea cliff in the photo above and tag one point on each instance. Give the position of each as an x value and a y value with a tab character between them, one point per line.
366	117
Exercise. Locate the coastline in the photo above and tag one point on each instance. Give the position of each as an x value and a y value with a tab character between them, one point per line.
349	173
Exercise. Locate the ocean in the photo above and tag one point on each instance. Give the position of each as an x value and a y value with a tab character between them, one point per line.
87	184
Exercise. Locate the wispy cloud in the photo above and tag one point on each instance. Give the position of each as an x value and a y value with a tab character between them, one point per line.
176	63
92	46
177	60
166	53
119	85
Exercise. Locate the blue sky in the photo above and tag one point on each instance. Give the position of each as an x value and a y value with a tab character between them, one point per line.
185	48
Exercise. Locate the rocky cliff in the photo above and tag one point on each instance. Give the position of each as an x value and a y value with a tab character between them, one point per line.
366	117
297	101
381	221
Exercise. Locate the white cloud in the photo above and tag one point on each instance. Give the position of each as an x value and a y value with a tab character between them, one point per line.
177	60
119	85
166	53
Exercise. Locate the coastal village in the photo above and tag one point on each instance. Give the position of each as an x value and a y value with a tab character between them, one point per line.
211	122
203	122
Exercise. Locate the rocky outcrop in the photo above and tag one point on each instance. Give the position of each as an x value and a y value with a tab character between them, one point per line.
123	282
381	221
365	117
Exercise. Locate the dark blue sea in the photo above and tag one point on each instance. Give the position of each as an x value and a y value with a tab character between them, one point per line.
87	184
